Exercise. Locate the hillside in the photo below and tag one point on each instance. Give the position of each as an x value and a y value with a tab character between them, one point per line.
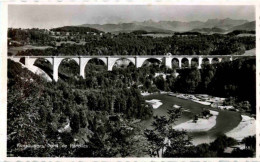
126	28
223	23
245	26
79	29
209	30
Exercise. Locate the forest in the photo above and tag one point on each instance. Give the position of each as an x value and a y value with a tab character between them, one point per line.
100	113
38	112
134	43
76	29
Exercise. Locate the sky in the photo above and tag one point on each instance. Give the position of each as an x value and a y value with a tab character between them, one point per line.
50	16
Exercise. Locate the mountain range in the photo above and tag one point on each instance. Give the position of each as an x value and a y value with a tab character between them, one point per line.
211	25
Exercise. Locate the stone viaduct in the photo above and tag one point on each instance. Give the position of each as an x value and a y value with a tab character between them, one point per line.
110	61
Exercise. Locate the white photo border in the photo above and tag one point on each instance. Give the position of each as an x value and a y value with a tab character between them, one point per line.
3	70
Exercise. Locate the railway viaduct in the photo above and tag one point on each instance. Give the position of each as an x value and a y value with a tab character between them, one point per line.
110	61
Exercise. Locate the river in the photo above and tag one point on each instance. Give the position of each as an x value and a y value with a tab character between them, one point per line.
226	120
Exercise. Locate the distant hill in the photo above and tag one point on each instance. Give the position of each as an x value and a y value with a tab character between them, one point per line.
149	26
223	23
126	28
217	25
209	30
245	26
176	26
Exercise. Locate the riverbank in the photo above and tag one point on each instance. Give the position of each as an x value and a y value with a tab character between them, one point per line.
247	127
231	123
201	125
153	93
204	99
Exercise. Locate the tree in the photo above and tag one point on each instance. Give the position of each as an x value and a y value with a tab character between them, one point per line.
250	142
163	138
221	143
75	123
195	118
189	80
203	150
160	83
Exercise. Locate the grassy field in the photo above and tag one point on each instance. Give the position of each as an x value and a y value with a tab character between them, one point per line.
246	35
158	35
70	42
15	50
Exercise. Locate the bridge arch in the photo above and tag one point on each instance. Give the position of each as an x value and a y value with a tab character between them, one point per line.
103	60
225	59
175	63
96	64
45	64
205	61
112	60
66	67
50	60
215	60
85	61
184	62
123	62
194	62
152	60
96	60
29	62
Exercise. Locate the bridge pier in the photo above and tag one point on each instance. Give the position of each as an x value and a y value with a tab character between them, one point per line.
56	63
210	60
110	63
200	62
82	64
180	59
28	62
139	61
189	60
168	62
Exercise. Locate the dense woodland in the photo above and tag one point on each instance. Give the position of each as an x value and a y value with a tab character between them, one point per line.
130	43
227	79
38	112
102	109
76	29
